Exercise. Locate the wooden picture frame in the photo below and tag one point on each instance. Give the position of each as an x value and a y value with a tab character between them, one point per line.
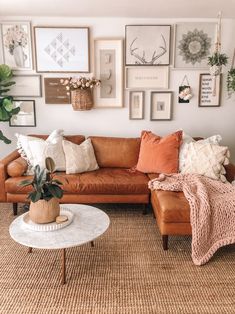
62	49
161	106
55	92
209	90
147	45
147	77
26	86
136	105
27	115
108	56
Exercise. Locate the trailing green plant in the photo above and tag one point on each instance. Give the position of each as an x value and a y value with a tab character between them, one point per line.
218	59
45	187
6	102
231	81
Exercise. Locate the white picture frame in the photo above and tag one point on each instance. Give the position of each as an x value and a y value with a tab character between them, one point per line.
136	105
147	77
26	116
62	49
209	90
194	42
161	106
147	45
17	55
26	86
108	56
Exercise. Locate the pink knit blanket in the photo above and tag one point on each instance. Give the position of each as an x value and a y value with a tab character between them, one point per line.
212	211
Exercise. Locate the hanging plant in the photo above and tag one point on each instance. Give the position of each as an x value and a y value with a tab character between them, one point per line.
216	61
231	78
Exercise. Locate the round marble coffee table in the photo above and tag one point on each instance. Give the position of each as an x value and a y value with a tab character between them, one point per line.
87	225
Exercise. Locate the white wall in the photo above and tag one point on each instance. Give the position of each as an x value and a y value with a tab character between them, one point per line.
115	122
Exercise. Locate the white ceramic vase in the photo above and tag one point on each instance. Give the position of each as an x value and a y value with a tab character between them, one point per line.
19	56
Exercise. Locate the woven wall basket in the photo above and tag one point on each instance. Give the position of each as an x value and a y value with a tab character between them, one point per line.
81	99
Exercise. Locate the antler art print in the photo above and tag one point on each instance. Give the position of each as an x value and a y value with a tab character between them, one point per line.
142	59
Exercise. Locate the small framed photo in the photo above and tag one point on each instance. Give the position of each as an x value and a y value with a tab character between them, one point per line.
147	77
62	49
209	90
161	106
26	116
147	45
26	86
17	44
136	105
55	92
109	69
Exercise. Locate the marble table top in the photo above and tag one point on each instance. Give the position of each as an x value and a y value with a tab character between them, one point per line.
88	224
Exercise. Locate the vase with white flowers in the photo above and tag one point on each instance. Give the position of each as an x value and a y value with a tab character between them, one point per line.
81	91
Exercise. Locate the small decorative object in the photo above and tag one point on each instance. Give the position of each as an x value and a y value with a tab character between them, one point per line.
136	105
185	93
147	45
62	49
207	98
81	91
161	103
231	78
55	92
61	218
7	110
26	86
26	116
44	206
193	44
17	51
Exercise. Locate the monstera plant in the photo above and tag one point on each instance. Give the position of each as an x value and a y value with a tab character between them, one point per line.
6	102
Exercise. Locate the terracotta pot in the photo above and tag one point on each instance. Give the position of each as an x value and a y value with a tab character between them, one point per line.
43	212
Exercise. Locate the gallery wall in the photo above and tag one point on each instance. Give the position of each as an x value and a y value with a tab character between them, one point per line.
115	122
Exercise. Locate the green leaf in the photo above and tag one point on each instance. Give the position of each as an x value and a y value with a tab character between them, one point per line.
4	138
25	183
6	83
50	164
35	196
57	182
55	190
15	111
4	115
7	104
5	72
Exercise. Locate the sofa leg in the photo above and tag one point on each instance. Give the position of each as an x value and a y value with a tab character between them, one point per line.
165	242
15	208
145	209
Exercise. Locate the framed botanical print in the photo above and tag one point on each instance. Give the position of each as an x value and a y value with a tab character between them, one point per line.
161	106
62	49
147	45
194	42
136	105
26	116
109	69
209	90
17	44
26	86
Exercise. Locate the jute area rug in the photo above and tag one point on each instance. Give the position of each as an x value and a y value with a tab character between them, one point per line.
126	272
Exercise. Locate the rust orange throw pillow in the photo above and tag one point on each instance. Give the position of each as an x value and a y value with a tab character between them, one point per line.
159	155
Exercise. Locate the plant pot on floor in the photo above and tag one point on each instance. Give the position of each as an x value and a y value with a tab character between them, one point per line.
42	212
81	99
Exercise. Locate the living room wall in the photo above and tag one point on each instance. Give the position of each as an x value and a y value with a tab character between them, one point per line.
115	122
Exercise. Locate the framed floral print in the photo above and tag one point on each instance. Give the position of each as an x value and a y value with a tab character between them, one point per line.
62	49
194	42
16	44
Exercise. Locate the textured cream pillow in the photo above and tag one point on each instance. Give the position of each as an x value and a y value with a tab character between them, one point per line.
79	158
206	159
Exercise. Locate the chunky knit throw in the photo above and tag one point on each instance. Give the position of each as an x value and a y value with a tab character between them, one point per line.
212	211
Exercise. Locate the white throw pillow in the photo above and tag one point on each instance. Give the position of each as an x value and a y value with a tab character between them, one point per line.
35	150
206	159
79	158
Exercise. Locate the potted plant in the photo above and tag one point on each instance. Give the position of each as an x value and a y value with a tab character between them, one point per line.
216	61
81	91
6	104
44	206
231	81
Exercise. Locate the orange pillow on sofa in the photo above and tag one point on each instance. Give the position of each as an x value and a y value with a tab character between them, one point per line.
159	155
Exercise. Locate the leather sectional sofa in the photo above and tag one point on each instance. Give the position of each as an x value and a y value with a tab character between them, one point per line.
116	181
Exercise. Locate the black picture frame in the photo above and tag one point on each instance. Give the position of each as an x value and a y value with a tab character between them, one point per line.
33	112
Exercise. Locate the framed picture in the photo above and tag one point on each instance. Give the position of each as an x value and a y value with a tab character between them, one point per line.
26	115
109	69
55	92
26	86
147	77
17	44
161	103
148	44
194	42
136	105
62	49
209	90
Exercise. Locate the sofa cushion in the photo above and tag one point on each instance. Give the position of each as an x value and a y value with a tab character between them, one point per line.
17	167
76	139
101	181
116	152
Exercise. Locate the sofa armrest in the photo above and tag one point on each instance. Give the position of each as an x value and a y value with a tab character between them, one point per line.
230	172
3	173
